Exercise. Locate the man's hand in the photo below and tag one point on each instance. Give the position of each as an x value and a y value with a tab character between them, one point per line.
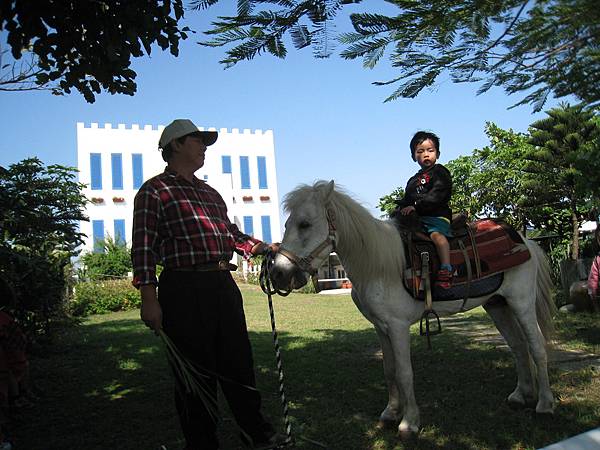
274	247
262	249
150	312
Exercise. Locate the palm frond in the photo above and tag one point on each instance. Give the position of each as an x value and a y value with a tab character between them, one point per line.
301	37
371	58
202	4
244	7
192	380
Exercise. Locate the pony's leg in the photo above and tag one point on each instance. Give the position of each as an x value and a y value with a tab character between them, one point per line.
391	414
537	348
504	319
399	334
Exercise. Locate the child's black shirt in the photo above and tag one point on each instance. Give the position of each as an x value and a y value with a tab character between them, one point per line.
429	191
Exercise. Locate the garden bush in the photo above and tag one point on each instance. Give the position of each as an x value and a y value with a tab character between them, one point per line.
98	297
113	261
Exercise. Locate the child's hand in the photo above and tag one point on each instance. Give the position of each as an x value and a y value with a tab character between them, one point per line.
408	210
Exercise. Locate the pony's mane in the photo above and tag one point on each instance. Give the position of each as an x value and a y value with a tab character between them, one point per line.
371	248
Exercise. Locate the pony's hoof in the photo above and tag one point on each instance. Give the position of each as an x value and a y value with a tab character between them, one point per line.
516	405
407	435
517	402
544	412
386	424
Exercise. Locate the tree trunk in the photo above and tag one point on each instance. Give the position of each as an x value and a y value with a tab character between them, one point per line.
575	242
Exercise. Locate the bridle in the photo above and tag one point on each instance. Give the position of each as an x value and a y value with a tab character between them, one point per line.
307	263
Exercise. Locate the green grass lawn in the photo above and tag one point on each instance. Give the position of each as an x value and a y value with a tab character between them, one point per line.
106	384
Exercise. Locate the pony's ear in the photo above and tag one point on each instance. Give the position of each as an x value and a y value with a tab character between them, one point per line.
329	190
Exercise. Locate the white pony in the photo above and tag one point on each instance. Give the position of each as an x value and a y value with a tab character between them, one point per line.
372	254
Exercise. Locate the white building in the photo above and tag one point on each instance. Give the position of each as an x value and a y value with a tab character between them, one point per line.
113	163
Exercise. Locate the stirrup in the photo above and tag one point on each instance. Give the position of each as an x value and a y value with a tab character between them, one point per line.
429	332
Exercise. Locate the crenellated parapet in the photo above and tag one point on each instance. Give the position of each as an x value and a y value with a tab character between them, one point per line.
135	126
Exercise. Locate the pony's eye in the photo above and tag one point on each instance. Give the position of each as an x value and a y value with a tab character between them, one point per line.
304	225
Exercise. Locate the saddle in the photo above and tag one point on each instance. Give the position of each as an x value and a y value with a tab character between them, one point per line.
480	252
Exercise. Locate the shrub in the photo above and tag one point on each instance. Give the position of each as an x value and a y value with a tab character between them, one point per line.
112	262
308	288
98	297
253	278
37	285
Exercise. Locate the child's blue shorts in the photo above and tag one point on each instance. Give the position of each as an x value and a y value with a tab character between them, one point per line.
439	224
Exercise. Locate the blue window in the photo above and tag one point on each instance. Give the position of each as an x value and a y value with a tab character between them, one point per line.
248	225
98	234
262	172
120	231
265	222
245	172
138	170
116	162
96	171
226	163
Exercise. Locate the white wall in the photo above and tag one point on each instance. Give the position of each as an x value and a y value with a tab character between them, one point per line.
128	140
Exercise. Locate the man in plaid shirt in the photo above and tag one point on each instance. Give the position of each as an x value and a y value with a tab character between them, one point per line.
181	223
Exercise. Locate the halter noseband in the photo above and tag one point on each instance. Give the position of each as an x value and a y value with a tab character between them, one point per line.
305	263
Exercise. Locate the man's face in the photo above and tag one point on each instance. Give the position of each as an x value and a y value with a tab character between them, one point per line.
426	154
191	152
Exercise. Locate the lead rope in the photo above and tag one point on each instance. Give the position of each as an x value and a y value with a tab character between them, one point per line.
267	288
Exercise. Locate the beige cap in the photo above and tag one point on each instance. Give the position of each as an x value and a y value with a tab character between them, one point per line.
182	127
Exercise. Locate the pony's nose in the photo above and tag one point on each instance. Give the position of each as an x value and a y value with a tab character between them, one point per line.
277	277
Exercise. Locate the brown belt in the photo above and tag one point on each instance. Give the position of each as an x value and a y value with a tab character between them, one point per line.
206	267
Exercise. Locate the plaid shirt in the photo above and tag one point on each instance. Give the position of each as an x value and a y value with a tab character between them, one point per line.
178	223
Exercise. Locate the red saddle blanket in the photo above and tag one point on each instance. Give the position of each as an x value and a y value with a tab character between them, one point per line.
497	247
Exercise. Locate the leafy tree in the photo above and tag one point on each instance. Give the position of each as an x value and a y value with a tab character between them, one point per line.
464	190
84	44
540	48
387	203
561	168
113	262
40	209
488	182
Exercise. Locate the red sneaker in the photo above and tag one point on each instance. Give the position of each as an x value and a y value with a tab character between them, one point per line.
443	279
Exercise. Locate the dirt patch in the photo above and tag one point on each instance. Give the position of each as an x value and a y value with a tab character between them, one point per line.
563	359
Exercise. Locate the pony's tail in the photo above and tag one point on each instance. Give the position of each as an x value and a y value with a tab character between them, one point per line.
545	307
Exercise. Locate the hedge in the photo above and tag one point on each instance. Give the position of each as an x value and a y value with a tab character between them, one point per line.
99	297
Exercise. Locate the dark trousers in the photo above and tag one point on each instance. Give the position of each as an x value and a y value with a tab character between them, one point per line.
204	317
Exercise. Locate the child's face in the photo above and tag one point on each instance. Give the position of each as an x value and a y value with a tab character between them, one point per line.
426	154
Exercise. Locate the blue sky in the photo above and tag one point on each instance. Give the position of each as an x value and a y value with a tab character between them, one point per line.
328	120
